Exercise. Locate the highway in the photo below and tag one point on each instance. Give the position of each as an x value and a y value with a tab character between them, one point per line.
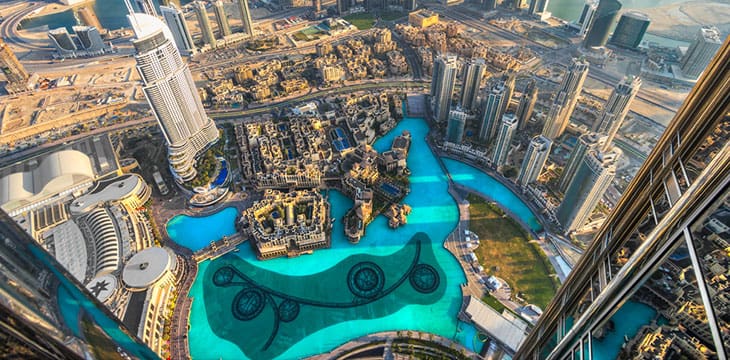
9	28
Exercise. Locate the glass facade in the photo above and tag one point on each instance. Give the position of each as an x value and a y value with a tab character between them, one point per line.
653	283
46	314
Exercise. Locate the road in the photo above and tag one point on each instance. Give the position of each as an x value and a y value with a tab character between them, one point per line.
9	28
222	116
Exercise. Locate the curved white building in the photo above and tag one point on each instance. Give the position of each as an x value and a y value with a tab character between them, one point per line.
171	93
129	189
106	241
57	174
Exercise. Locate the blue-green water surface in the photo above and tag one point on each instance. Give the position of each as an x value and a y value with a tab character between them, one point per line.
195	232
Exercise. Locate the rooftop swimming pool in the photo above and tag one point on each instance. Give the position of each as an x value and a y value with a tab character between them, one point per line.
394	279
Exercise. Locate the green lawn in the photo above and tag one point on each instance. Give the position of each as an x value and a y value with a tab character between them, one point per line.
362	21
391	15
506	252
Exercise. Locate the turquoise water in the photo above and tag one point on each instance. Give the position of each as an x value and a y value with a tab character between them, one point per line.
627	321
434	213
196	233
570	10
472	177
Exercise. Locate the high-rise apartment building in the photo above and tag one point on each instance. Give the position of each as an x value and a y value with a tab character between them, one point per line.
585	143
661	252
220	17
175	20
443	80
247	24
506	131
565	100
586	16
537	153
537	7
603	19
36	293
592	178
630	29
527	103
455	126
171	93
701	51
15	74
491	115
471	82
408	5
508	79
616	108
147	7
204	22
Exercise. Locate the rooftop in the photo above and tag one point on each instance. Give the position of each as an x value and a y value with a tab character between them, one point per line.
496	325
146	267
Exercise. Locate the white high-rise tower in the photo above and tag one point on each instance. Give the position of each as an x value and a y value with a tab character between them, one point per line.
616	108
171	93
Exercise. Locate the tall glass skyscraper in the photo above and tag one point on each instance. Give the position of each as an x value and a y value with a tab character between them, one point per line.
473	74
603	20
171	93
175	20
246	16
492	112
443	80
616	108
565	99
47	314
657	270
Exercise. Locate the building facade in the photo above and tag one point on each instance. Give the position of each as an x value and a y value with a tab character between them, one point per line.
172	95
701	51
586	16
455	126
202	14
630	29
593	176
565	100
603	19
443	80
246	17
14	71
616	108
585	143
537	6
471	82
175	20
492	112
507	129
663	247
527	103
537	153
221	18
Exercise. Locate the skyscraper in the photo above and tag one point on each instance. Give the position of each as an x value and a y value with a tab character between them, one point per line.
504	139
220	16
592	178
205	28
473	73
701	51
565	99
630	29
616	108
455	126
175	20
17	77
36	293
527	103
443	80
603	19
663	249
537	7
586	16
317	5
491	114
537	153
147	7
408	5
508	79
247	26
585	143
490	5
171	93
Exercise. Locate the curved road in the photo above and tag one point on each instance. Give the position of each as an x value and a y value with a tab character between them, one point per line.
9	28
